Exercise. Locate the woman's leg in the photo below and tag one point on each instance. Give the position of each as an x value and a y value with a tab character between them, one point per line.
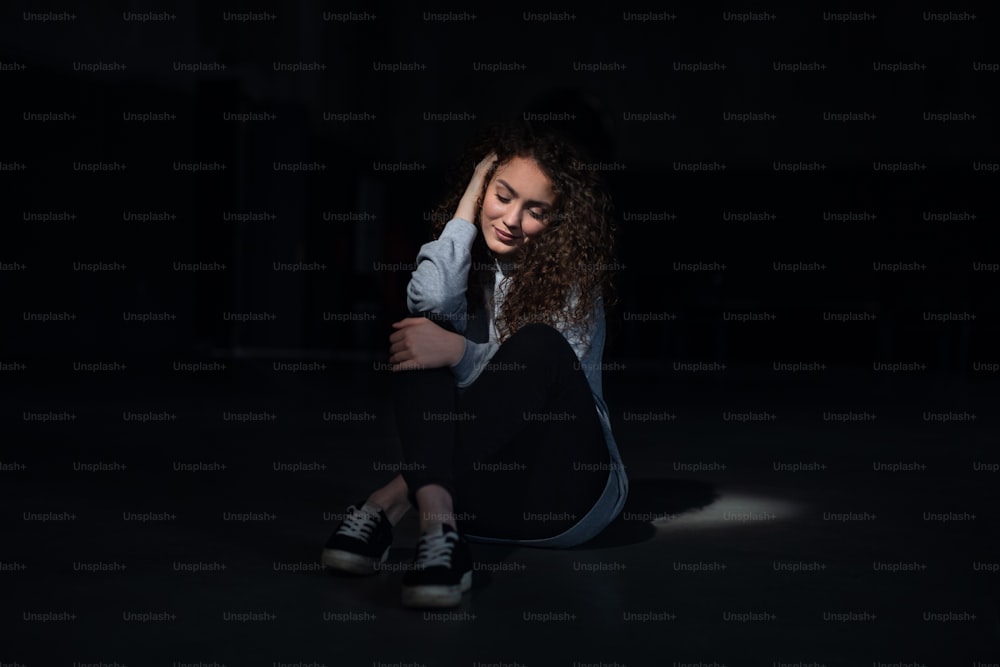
522	441
425	418
392	498
425	410
534	459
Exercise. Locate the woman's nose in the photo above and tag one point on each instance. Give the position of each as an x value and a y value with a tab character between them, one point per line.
513	218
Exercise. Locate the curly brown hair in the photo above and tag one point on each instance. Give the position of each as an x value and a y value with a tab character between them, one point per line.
575	253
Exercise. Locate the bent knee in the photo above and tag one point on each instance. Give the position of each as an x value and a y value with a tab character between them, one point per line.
539	333
540	340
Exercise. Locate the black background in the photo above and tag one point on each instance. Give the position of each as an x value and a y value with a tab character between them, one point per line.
685	312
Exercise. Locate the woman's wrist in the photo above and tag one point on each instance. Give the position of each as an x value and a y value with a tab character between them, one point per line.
467	205
464	215
467	208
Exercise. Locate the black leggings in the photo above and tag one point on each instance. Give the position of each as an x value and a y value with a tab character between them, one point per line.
517	448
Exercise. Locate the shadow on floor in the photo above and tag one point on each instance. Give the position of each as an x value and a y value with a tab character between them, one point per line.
647	500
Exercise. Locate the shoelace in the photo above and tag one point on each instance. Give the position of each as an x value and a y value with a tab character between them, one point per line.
436	549
358	524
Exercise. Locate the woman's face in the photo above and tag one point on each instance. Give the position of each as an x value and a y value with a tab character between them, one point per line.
516	206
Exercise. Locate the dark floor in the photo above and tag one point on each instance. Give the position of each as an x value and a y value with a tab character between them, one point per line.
695	551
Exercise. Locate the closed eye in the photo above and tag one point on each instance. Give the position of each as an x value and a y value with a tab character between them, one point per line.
533	214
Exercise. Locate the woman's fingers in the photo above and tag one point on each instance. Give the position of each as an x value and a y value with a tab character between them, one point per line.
401	354
399	348
487	162
400	332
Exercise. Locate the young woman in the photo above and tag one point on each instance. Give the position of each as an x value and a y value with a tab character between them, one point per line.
497	377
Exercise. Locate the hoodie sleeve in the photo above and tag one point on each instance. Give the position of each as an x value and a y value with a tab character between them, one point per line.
474	358
439	283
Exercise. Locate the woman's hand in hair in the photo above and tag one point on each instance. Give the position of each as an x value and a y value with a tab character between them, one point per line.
420	343
467	206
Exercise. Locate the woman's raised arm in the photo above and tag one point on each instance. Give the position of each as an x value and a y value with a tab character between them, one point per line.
439	283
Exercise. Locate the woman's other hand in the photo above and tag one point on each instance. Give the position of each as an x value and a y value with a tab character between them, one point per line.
420	343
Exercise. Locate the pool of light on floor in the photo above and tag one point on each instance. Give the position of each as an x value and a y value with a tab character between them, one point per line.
733	509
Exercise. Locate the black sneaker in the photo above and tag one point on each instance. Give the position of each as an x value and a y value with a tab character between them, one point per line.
361	542
442	569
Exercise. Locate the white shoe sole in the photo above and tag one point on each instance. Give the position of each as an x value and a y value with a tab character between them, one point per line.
346	561
437	596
